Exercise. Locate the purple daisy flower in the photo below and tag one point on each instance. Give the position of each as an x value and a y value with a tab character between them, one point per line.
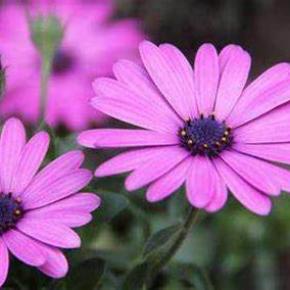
38	210
203	127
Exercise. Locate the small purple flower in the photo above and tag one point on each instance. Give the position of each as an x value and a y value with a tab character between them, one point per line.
38	210
203	127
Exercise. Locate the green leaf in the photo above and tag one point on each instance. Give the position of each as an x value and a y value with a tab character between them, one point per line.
86	275
136	278
112	205
160	241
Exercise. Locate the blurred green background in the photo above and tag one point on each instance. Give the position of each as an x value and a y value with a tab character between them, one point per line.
233	249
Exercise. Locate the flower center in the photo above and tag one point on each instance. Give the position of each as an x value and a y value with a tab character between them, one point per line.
205	136
62	62
10	212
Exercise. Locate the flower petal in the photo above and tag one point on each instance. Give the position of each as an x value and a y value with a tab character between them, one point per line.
4	265
201	182
116	99
125	138
269	90
232	82
57	235
173	81
58	168
168	183
226	53
56	189
254	171
206	72
269	128
24	248
56	265
31	158
136	78
273	152
252	199
167	159
11	143
219	198
127	161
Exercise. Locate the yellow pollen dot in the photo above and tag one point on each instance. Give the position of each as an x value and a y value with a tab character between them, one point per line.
226	133
189	142
217	143
224	139
183	132
17	212
205	145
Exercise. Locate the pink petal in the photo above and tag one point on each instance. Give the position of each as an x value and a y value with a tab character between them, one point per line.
31	158
252	199
167	159
254	171
260	95
24	248
131	107
54	190
201	182
127	161
58	168
168	183
269	128
274	152
176	87
136	78
206	72
4	265
56	265
11	143
232	82
71	219
226	53
219	198
54	234
125	138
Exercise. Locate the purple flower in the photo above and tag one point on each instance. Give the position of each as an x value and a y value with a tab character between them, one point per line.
38	210
202	127
91	44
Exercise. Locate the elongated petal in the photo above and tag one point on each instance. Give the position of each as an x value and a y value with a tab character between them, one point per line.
268	86
227	53
251	198
219	198
254	171
56	265
56	190
201	182
175	87
138	80
168	183
206	72
11	143
71	219
58	168
4	262
232	82
57	235
270	128
98	138
274	152
119	101
24	248
31	158
167	159
127	161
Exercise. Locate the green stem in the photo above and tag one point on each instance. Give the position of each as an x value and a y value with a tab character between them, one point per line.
190	220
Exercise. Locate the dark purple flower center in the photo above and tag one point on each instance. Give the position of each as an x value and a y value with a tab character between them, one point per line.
10	212
205	136
63	62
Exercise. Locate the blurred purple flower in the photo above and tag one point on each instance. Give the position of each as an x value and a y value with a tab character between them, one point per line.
200	127
38	210
91	44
